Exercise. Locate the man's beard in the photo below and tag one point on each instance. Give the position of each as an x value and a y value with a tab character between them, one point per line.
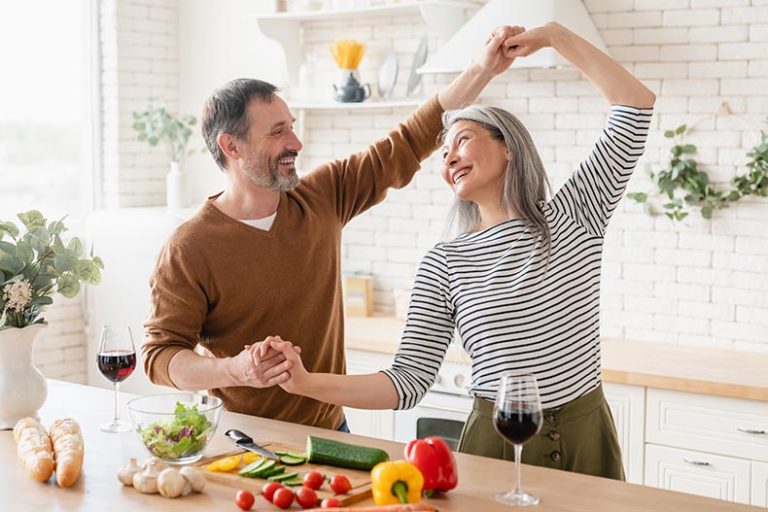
271	178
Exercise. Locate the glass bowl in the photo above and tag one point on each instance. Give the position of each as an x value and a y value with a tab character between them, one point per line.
175	427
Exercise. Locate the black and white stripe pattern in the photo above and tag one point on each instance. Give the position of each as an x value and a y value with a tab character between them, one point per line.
510	314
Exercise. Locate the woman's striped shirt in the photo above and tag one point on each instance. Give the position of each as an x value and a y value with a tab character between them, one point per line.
511	314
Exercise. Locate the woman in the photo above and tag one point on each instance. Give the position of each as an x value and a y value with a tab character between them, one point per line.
522	283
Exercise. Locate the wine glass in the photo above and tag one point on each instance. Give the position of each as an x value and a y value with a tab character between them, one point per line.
517	417
116	360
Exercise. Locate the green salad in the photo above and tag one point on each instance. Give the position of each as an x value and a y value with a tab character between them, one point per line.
185	435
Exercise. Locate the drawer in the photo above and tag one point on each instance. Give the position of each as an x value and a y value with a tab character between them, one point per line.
692	472
727	426
759	484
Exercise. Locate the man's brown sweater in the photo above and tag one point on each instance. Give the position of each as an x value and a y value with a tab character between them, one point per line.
223	284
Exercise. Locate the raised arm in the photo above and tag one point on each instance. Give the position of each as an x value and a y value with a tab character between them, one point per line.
616	84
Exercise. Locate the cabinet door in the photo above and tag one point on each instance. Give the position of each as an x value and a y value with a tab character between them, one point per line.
627	405
692	472
759	484
365	422
726	426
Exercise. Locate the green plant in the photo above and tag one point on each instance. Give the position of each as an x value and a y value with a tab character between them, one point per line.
36	264
686	186
154	124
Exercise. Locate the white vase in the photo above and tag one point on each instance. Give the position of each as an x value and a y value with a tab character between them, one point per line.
22	387
176	187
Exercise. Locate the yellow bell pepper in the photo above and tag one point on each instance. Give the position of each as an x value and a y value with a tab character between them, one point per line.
225	464
396	482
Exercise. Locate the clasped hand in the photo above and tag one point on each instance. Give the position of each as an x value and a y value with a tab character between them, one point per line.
264	364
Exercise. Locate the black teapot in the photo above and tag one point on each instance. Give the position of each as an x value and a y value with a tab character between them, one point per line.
350	91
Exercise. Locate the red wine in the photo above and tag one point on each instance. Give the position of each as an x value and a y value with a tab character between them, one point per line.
116	365
517	426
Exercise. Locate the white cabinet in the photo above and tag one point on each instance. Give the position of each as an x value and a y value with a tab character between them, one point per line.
759	484
693	472
728	426
366	422
627	405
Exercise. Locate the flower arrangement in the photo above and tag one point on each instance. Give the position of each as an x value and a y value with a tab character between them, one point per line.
36	264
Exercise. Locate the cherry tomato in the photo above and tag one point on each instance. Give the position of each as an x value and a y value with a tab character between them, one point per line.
306	497
330	503
268	491
314	479
340	484
283	497
244	499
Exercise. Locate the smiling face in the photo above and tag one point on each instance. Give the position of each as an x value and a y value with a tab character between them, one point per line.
270	146
474	162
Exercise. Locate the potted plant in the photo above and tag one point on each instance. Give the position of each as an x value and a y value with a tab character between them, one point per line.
34	265
154	124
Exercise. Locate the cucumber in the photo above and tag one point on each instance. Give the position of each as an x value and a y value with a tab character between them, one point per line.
335	453
282	477
276	470
252	467
290	460
258	472
291	454
293	482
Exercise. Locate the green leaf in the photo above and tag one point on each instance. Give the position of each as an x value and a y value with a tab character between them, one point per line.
98	262
75	246
689	148
680	129
10	228
42	301
669	134
24	252
68	286
64	262
32	219
640	197
7	248
706	212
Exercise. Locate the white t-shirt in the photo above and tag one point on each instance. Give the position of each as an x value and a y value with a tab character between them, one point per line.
265	223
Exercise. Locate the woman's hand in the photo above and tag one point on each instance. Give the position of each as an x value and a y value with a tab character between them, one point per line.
298	375
495	58
530	41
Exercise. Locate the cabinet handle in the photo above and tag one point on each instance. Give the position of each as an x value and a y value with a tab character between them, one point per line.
752	431
697	462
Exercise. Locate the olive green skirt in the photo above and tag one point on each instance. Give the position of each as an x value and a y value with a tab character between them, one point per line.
579	436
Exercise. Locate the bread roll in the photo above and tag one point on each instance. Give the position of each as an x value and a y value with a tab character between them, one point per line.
33	446
68	448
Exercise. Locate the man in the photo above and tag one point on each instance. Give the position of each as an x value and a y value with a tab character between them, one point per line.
263	257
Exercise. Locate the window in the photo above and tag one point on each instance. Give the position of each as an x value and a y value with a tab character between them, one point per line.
45	146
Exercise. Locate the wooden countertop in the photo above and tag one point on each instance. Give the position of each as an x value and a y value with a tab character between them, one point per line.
479	478
693	369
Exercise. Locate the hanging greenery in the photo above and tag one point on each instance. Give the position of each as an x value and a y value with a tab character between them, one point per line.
685	186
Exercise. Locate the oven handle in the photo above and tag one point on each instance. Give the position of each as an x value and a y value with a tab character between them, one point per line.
440	408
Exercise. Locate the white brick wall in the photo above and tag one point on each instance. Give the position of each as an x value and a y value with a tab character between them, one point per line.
699	282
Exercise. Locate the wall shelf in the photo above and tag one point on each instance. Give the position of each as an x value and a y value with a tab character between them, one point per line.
365	105
445	17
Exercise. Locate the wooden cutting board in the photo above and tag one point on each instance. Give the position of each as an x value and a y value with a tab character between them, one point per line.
360	480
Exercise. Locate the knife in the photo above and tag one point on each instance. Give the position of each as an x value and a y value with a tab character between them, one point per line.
245	442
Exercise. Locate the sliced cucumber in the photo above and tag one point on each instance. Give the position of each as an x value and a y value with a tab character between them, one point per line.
284	476
254	466
259	472
335	453
290	460
291	454
293	482
277	470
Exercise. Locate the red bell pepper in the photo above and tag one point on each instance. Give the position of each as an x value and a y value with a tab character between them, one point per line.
435	461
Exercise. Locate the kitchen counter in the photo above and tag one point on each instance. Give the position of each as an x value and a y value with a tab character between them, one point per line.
480	478
692	369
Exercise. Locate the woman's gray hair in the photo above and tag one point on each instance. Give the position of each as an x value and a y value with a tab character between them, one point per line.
525	186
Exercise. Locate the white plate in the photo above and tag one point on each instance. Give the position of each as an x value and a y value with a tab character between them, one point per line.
388	75
418	60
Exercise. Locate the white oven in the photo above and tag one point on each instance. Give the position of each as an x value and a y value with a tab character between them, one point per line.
442	411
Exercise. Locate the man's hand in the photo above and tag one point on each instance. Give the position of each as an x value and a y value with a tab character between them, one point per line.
496	56
260	365
298	376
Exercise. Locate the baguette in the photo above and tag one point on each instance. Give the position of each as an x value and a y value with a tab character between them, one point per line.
68	449
33	445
